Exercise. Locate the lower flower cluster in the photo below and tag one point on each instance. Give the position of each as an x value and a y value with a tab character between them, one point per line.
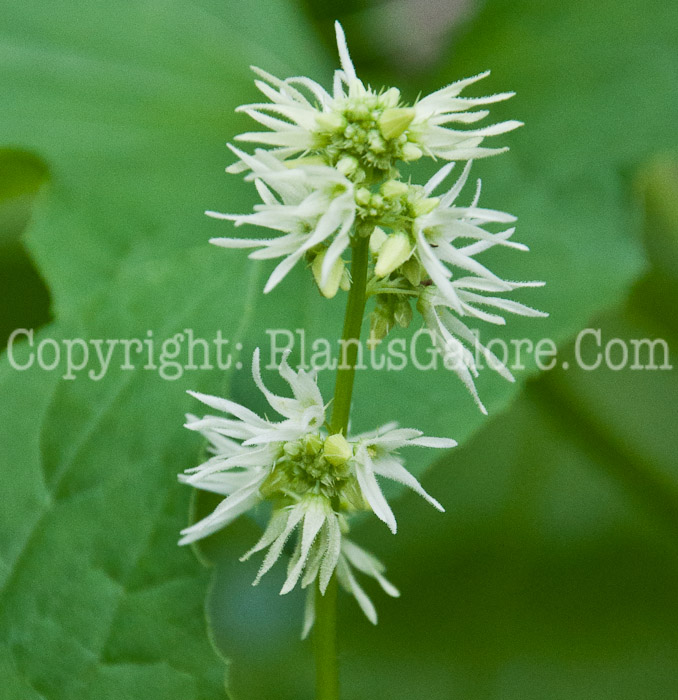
313	480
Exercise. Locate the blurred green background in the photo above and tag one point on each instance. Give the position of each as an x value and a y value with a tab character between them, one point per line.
554	571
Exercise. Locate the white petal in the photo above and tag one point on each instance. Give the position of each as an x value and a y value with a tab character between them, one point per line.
437	442
344	57
313	521
391	468
231	407
351	585
371	491
431	185
276	526
368	564
276	549
226	512
332	553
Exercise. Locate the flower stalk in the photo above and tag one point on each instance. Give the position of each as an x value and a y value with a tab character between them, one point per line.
325	643
325	635
328	171
350	339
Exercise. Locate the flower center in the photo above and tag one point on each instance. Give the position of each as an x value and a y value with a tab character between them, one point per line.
365	133
306	467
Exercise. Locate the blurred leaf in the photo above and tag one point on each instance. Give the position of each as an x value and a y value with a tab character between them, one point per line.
657	185
24	297
129	105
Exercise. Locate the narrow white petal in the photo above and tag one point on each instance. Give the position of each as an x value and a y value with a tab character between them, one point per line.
226	512
372	492
431	185
344	57
351	585
332	553
437	442
313	521
276	525
231	407
276	548
391	468
370	565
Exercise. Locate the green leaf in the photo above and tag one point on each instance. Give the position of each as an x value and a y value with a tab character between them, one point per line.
129	106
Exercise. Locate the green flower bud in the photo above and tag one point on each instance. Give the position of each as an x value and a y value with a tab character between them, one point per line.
330	121
363	196
314	443
391	97
377	201
307	160
345	281
381	319
394	189
348	165
337	450
352	499
413	271
292	449
403	313
394	121
331	286
393	253
275	483
376	143
411	152
425	206
377	239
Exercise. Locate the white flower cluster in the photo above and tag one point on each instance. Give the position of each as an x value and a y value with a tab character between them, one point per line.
313	480
327	170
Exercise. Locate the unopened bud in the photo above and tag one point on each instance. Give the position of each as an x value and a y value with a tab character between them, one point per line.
314	444
363	196
393	189
306	160
345	282
394	121
411	152
331	284
425	206
377	239
330	121
381	319
412	271
337	450
403	313
347	165
393	253
391	97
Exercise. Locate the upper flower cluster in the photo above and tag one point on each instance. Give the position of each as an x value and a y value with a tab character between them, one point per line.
365	133
313	480
328	172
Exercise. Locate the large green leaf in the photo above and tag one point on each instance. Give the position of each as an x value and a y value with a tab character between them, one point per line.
129	105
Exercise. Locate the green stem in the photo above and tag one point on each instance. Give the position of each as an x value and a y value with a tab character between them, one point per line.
353	321
325	632
325	643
